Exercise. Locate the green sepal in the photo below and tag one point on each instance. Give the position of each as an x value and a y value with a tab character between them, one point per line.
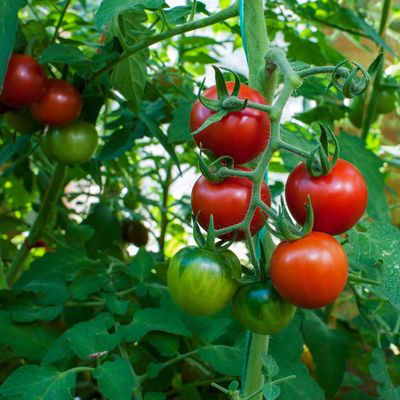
210	241
222	90
197	235
209	121
214	105
375	65
236	88
222	245
207	172
309	222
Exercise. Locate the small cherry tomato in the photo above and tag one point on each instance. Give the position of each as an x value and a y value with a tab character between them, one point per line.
24	82
228	202
261	309
309	272
386	101
243	135
75	143
21	120
201	281
135	232
338	199
60	104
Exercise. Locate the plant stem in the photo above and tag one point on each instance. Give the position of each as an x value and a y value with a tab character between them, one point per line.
253	378
227	13
359	279
164	207
137	390
47	206
60	20
3	279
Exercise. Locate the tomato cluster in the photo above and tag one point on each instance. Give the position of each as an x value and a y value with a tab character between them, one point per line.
309	272
31	100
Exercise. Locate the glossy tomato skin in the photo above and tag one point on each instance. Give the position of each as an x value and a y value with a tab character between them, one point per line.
24	82
243	135
228	202
338	199
386	101
309	272
75	143
60	104
260	309
22	121
201	281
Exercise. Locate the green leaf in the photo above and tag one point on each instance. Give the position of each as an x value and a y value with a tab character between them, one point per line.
378	244
179	129
12	148
379	371
8	28
59	350
31	382
287	347
62	54
329	351
271	391
353	149
30	341
129	76
156	396
154	319
110	8
29	312
117	144
91	337
115	305
224	359
141	265
115	379
85	285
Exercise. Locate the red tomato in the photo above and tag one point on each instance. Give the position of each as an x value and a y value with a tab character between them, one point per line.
60	104
338	199
24	82
243	135
228	202
310	272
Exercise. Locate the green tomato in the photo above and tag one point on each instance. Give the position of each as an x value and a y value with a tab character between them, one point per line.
356	113
21	120
130	200
201	281
386	101
260	309
75	143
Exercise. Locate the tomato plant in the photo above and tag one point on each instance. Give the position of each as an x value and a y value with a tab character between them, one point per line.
228	202
60	104
310	272
4	108
201	281
135	232
261	309
24	82
386	101
339	199
73	144
242	135
22	121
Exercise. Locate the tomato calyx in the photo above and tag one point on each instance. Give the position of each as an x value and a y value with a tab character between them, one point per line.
211	170
320	163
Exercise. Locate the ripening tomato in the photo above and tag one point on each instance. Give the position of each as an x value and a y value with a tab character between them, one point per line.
338	199
201	281
228	202
60	104
243	135
75	143
135	232
24	82
309	272
261	309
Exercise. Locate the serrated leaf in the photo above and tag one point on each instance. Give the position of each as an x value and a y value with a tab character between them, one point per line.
154	319
329	351
224	359
179	129
12	148
62	54
115	379
31	382
379	371
8	27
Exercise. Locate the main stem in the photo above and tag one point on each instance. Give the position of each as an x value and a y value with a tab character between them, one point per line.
40	223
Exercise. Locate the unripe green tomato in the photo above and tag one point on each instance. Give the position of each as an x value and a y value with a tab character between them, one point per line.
130	200
386	101
74	143
202	281
395	25
21	120
356	114
260	309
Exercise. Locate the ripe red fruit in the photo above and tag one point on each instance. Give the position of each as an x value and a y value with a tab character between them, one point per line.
24	82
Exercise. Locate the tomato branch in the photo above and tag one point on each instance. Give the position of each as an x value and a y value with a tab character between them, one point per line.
227	13
60	20
40	224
